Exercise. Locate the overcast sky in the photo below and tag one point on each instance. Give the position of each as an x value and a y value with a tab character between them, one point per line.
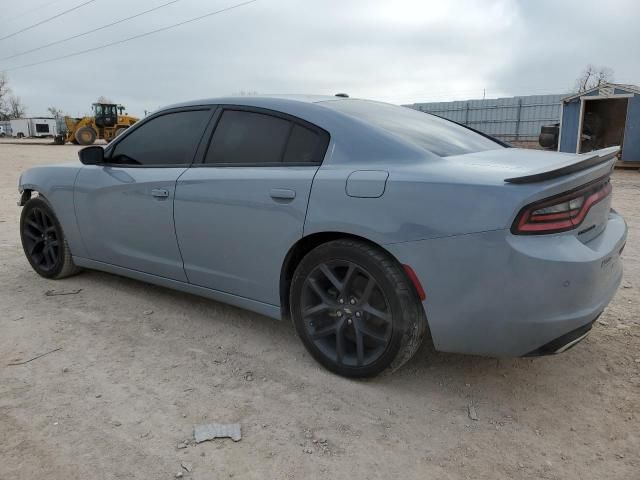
401	51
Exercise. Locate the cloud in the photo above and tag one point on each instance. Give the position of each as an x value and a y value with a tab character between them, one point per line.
400	51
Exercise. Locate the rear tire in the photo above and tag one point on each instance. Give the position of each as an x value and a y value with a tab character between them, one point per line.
355	310
43	241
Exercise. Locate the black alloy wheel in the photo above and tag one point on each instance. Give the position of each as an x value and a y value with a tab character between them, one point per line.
43	241
355	309
346	314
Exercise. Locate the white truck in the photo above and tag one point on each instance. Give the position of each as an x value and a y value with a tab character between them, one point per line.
2	132
34	127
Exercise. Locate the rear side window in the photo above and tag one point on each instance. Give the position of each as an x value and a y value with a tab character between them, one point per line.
169	139
248	137
303	146
437	135
252	138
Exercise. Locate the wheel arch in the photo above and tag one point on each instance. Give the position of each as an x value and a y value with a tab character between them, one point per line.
25	195
307	243
55	184
29	193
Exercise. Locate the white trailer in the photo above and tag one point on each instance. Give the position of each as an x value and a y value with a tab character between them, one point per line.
34	127
20	127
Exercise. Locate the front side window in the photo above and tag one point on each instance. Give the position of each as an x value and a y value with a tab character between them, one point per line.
169	139
251	138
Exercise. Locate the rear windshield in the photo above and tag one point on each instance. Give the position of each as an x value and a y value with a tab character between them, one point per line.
437	135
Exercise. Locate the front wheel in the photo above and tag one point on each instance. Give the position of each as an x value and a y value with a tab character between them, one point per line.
355	310
85	136
43	241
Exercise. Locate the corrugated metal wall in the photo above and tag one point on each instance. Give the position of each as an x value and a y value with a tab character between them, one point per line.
510	119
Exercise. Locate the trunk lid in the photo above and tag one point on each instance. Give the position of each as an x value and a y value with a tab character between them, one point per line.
519	166
566	166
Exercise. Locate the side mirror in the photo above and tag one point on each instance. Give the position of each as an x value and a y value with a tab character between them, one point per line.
93	155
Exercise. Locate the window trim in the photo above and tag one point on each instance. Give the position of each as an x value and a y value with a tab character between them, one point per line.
323	147
194	108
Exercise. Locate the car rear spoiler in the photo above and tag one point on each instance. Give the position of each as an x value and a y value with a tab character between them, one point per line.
585	160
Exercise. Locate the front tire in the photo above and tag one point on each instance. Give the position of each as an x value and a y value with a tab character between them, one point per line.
85	136
355	310
43	241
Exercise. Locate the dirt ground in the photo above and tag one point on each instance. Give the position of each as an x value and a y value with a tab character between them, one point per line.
140	365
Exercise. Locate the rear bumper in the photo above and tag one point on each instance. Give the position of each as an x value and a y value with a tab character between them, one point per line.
564	342
494	293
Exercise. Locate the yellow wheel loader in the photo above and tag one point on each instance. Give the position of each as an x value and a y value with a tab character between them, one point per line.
107	123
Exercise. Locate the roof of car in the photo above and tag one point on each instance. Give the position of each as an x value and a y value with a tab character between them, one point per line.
256	99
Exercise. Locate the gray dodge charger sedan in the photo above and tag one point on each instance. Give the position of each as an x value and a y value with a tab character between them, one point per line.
367	224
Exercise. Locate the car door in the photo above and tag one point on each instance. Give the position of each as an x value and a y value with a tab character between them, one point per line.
124	207
240	210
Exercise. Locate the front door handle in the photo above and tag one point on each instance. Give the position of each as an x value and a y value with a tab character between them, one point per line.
282	193
160	193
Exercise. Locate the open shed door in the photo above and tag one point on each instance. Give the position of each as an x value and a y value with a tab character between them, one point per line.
603	123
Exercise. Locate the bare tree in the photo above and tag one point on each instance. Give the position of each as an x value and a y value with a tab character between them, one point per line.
4	86
592	77
11	106
17	109
55	112
5	92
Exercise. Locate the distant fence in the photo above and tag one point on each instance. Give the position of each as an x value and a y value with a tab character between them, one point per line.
509	119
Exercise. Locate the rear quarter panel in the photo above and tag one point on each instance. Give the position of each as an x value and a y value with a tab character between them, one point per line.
419	202
56	184
426	196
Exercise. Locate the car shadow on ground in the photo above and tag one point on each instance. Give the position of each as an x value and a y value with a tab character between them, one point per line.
427	363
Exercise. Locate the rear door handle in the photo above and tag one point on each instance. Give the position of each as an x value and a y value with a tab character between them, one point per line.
160	193
282	193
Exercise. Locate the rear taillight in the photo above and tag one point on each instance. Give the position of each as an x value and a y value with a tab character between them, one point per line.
562	212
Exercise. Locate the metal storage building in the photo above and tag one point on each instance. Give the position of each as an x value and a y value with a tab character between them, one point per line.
607	115
509	119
